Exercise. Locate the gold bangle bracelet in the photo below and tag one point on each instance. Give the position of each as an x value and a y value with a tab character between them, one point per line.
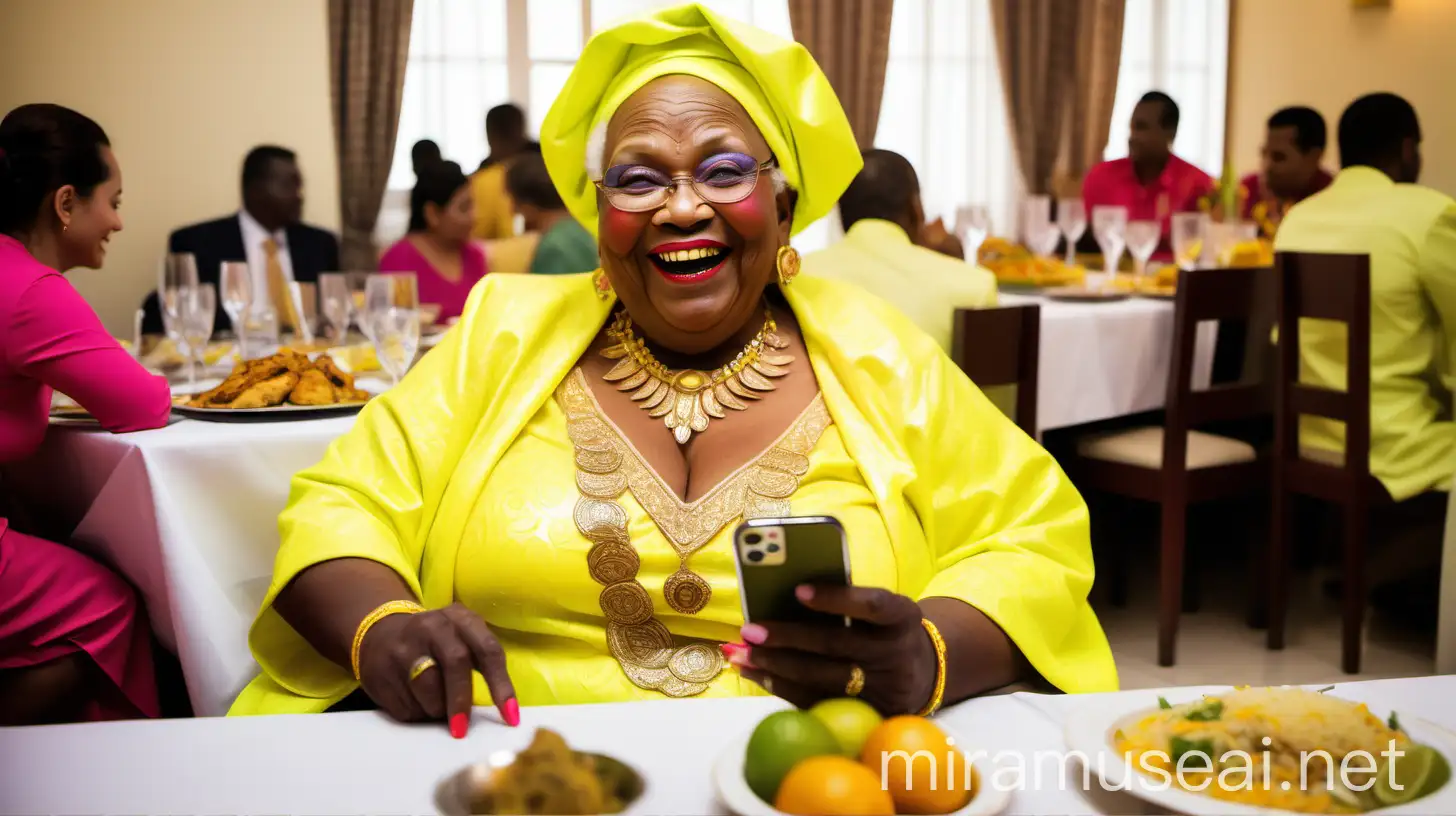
938	695
380	612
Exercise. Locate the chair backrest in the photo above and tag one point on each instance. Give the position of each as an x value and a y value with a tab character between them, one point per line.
1002	346
1326	287
1242	297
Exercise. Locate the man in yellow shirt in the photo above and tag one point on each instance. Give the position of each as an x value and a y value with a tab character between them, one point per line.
883	222
1375	207
505	133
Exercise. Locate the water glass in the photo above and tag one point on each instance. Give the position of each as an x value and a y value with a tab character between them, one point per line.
1109	227
1142	241
972	226
1042	239
336	303
236	282
198	312
358	283
396	337
177	278
1036	211
263	329
1072	220
1190	233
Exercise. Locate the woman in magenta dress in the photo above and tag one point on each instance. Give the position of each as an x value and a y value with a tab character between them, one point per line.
438	248
74	643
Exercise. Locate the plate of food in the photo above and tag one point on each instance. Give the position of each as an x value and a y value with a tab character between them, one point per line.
1015	267
286	385
1266	750
547	777
842	757
1086	294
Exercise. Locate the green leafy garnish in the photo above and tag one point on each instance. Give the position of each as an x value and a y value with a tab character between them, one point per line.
1210	711
1323	690
1393	723
1202	747
1163	703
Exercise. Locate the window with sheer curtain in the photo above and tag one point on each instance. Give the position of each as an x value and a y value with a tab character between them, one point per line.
1179	47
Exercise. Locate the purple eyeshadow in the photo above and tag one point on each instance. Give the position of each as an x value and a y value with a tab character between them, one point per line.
727	161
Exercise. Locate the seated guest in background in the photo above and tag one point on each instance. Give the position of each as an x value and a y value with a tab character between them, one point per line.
565	246
268	233
438	248
74	643
1294	146
424	153
1151	182
505	132
884	222
1375	207
515	508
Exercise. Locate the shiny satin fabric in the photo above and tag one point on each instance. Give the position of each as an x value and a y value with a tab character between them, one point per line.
776	81
974	509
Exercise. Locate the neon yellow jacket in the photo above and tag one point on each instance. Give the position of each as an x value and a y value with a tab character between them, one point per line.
974	508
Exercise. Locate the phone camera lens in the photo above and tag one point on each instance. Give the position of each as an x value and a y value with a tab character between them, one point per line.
773	548
755	556
752	538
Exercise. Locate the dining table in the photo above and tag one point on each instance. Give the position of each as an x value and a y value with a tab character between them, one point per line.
363	762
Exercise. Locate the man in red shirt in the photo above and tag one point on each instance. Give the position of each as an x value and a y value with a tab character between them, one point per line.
1290	171
1151	182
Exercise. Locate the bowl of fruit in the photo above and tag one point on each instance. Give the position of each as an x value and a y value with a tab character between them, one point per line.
841	758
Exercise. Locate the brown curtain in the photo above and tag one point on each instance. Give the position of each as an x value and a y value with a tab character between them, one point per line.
368	49
1094	86
850	39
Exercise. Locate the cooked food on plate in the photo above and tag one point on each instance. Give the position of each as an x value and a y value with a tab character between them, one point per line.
1285	748
285	377
1014	264
549	777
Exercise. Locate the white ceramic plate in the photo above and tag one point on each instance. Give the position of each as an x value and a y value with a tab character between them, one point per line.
1089	731
734	793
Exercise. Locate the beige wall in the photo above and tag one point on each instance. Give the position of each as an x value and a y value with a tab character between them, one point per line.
183	88
1325	53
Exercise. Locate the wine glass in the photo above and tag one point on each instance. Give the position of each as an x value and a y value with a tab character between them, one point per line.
176	280
1190	230
236	281
336	302
1041	239
396	289
1109	225
1035	211
358	281
396	337
199	310
973	226
1072	220
1142	240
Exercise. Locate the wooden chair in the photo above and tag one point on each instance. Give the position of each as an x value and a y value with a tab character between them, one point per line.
1002	346
1329	287
1175	465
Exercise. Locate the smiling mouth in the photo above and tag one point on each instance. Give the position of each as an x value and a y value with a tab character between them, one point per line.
686	263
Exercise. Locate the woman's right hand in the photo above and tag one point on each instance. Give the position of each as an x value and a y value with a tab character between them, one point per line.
459	642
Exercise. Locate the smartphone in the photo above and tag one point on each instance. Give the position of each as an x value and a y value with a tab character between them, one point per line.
775	555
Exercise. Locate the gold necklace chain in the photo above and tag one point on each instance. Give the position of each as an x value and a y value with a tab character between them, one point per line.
686	399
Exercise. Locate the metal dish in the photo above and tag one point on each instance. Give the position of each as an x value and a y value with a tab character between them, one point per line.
453	794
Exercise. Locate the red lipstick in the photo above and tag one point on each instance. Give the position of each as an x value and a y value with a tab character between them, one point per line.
679	246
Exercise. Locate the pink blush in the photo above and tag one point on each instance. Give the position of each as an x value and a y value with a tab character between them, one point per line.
749	217
621	230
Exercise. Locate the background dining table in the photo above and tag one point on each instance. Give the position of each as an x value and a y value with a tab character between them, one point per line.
362	762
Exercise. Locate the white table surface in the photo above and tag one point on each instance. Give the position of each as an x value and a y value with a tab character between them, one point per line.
364	763
1105	360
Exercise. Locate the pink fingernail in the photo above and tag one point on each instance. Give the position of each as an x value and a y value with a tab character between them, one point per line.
804	592
511	712
730	650
753	633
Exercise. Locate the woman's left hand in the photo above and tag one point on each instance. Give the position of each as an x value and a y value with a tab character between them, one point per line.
804	663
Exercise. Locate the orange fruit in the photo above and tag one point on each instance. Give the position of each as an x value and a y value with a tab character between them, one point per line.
937	780
833	786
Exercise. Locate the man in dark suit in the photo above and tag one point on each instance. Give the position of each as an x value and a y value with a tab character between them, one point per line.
268	234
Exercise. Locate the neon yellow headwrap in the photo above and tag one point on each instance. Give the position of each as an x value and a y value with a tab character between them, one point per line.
775	80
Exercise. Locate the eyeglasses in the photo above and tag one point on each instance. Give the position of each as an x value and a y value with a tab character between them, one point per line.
640	189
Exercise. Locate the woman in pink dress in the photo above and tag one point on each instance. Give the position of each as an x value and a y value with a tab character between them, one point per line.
438	248
74	643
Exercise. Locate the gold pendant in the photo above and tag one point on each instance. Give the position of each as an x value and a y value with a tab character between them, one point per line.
686	591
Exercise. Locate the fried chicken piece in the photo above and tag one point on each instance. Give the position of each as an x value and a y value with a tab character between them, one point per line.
313	388
244	376
267	393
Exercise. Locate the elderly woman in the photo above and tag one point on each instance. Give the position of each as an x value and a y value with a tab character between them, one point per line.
548	499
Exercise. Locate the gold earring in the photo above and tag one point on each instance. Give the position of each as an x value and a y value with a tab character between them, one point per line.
787	264
65	227
602	283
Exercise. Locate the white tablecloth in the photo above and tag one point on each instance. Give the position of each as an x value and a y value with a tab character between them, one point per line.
363	763
1105	360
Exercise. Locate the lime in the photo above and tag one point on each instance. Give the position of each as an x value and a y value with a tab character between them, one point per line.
850	720
780	741
1421	770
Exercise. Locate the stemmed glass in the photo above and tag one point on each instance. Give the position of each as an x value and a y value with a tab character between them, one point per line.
198	312
1072	220
1142	240
358	282
236	281
1190	231
1109	225
1037	230
973	226
177	280
392	318
336	302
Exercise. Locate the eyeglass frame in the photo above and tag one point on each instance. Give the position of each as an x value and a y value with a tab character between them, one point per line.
675	180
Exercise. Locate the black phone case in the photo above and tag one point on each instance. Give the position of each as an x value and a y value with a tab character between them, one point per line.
815	552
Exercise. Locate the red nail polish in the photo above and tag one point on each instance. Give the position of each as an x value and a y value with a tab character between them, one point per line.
511	712
730	649
459	725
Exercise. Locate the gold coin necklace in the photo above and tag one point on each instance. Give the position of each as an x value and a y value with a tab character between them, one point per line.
686	399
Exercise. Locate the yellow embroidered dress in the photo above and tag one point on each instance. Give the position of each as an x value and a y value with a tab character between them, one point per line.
465	480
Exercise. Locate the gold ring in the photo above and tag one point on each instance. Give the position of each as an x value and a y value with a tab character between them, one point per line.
856	682
421	666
